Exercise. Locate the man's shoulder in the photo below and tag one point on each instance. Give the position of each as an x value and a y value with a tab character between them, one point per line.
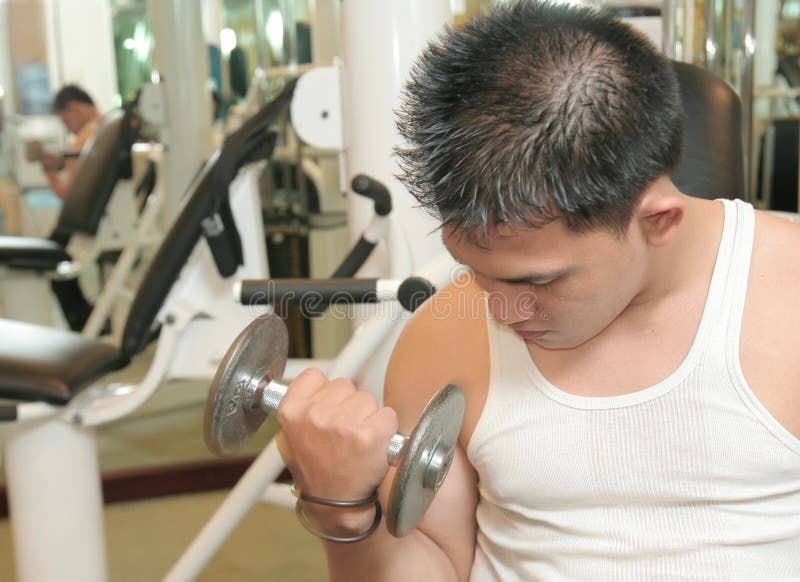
455	316
776	253
774	273
444	343
771	327
85	133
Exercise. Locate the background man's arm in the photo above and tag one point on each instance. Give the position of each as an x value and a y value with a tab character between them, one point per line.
60	181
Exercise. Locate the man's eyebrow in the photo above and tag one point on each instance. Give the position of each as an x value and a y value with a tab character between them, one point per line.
529	278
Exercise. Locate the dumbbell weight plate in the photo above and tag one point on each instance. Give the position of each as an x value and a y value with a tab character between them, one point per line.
438	429
262	348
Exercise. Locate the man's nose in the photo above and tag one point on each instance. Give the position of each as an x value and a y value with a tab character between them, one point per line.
510	308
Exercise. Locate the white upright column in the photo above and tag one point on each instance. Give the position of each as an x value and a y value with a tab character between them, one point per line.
181	57
327	245
380	41
55	502
84	45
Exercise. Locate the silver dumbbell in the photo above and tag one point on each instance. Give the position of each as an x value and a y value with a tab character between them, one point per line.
246	390
34	150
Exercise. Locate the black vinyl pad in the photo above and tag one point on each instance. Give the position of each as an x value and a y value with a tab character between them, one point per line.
43	364
712	165
103	161
36	254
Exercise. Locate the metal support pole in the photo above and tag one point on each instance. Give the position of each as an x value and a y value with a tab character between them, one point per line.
711	44
669	27
260	24
181	58
380	41
746	92
289	32
55	502
729	61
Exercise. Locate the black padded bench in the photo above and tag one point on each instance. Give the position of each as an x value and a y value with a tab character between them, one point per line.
31	254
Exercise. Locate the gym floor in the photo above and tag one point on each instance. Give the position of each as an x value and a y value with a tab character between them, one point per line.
144	538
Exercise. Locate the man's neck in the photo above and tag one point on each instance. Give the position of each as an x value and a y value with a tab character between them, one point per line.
670	275
88	116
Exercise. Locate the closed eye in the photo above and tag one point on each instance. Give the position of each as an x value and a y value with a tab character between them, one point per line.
532	281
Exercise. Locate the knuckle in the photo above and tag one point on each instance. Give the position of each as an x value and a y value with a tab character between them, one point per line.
366	399
313	377
316	374
288	414
392	418
343	384
319	417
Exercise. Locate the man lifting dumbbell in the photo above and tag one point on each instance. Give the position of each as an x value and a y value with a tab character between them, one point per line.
77	111
631	412
35	151
247	388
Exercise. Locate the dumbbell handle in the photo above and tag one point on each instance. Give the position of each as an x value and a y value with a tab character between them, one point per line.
266	396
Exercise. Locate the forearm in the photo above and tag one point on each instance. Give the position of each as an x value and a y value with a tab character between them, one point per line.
57	185
334	440
385	558
380	557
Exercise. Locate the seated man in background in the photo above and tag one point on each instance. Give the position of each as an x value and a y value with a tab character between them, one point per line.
627	353
77	111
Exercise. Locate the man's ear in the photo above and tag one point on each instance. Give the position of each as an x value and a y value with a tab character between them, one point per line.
659	214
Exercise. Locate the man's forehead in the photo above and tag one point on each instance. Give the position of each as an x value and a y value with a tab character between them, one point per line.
473	248
492	238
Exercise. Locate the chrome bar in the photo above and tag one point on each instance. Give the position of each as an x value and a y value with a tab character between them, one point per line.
669	27
710	44
272	395
396	447
746	91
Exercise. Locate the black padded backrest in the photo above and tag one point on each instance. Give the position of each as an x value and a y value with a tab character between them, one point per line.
103	161
207	196
166	265
789	69
712	165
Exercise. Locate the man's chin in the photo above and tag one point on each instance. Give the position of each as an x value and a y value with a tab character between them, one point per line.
533	336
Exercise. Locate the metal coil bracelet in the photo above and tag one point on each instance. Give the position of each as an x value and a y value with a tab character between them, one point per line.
306	523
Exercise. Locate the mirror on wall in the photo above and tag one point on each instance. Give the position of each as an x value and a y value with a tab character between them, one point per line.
133	45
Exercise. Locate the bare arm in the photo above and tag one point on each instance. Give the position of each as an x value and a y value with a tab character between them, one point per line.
60	181
440	549
443	545
771	325
58	185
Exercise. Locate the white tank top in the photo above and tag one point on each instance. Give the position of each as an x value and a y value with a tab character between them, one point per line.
689	479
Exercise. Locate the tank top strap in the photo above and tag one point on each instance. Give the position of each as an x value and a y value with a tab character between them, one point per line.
742	219
509	356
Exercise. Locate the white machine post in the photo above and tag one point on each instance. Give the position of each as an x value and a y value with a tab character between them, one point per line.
380	41
55	501
181	58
